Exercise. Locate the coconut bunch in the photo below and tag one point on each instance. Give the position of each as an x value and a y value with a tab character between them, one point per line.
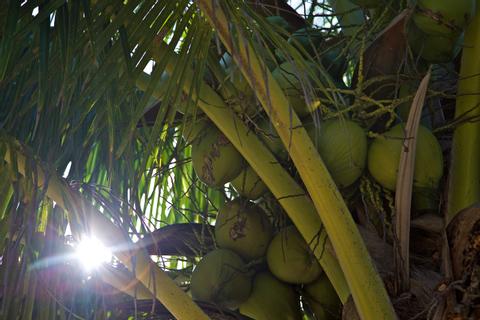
269	273
436	31
262	274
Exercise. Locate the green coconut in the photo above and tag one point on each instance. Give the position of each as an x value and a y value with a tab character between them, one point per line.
444	17
234	74
271	299
322	299
342	144
308	38
249	185
243	227
435	48
333	60
290	77
384	157
279	22
222	278
368	3
290	259
244	102
214	158
269	136
193	127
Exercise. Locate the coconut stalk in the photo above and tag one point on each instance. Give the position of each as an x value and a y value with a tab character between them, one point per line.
150	275
289	193
464	180
368	291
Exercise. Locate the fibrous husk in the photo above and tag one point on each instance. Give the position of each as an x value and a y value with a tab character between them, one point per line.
464	241
243	227
222	278
424	283
290	259
271	299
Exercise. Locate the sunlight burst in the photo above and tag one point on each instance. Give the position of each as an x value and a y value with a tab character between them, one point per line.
91	253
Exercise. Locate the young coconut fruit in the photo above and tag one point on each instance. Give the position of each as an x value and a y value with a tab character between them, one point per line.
234	74
193	128
444	17
333	58
322	299
368	3
384	157
245	101
308	38
271	139
290	77
434	48
280	22
243	227
290	259
214	158
342	144
249	185
222	278
271	299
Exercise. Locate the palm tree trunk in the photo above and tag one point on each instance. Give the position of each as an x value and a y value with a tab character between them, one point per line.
369	294
464	186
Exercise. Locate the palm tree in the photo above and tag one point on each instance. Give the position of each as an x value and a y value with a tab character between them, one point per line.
96	96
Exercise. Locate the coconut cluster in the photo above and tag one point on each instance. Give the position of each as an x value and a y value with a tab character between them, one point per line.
268	272
262	270
436	33
236	276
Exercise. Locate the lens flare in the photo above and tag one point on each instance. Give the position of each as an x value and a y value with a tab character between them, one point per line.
91	253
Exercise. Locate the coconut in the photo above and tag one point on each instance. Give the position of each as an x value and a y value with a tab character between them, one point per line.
436	48
384	157
249	185
214	158
244	102
244	228
271	299
279	22
368	3
222	278
271	139
333	60
290	76
234	74
290	259
342	144
308	38
443	17
322	299
192	128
